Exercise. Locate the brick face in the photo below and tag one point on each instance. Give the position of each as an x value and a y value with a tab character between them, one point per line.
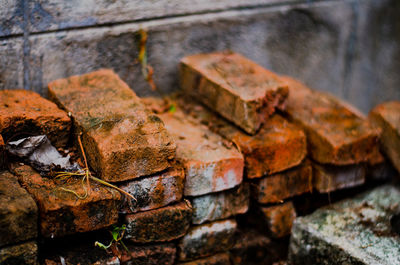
218	259
26	253
278	218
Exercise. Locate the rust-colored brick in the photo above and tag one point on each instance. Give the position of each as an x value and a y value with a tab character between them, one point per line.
218	259
237	88
121	138
279	218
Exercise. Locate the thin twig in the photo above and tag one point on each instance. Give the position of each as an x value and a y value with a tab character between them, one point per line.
86	164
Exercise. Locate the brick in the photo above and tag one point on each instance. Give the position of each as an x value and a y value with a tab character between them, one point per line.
278	218
237	88
222	205
277	187
379	169
209	165
122	139
207	239
387	117
61	212
155	191
328	178
25	253
25	112
3	157
279	145
163	224
152	254
336	135
218	259
18	211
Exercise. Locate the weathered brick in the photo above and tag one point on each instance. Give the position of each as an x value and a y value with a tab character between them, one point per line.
163	224
18	211
278	218
207	239
237	88
335	134
378	168
61	212
3	157
328	178
217	206
155	191
218	259
209	165
280	186
387	117
26	112
279	145
25	253
122	139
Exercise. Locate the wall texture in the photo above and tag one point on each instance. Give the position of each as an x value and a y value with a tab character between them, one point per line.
349	48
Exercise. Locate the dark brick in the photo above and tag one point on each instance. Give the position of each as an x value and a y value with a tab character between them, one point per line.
25	253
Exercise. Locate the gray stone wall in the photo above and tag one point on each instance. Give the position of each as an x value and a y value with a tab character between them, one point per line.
349	48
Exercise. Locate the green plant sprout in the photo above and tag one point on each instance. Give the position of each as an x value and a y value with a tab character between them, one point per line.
117	234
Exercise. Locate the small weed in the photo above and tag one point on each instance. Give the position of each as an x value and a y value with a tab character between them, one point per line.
117	234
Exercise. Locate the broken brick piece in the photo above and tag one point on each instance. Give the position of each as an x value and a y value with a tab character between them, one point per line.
217	259
237	88
24	112
209	165
328	178
155	191
26	253
121	138
207	239
335	134
61	211
18	211
277	187
3	158
279	218
387	117
221	205
163	224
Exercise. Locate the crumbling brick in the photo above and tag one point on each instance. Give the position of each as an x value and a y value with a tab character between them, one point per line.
335	134
24	112
278	218
217	259
61	211
121	138
163	224
237	88
26	253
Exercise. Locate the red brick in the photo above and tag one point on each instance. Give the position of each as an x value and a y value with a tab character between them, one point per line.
238	89
336	135
3	157
280	186
26	253
121	138
61	212
24	112
159	225
218	259
279	218
387	117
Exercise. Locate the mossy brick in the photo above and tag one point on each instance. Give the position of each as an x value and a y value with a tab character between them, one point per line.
3	157
280	186
121	138
207	239
237	88
159	225
217	259
61	212
18	211
335	133
277	219
154	191
24	112
353	231
386	116
328	178
26	253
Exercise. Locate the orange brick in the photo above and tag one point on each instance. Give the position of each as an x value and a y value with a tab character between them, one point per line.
336	135
279	218
122	139
24	112
237	88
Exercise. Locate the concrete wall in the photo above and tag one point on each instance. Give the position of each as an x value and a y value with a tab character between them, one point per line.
350	48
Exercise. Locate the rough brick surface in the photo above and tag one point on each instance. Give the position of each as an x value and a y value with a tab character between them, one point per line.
155	191
3	157
387	117
335	134
25	253
209	165
18	211
207	239
280	186
220	205
163	224
218	259
235	87
328	178
278	218
61	212
121	138
24	112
